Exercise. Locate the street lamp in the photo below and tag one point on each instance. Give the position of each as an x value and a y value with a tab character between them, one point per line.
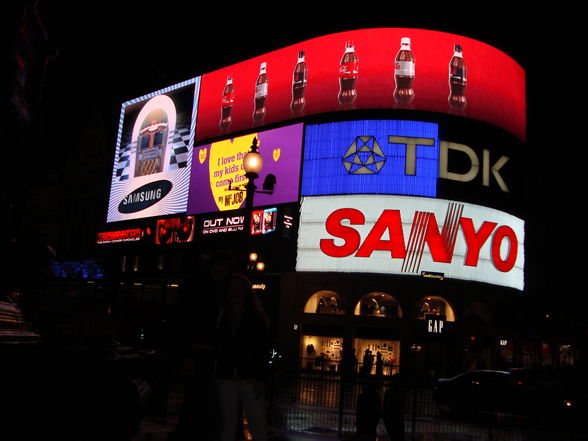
252	164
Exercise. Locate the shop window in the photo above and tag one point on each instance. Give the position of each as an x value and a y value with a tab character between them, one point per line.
506	352
135	264
377	304
320	352
432	305
546	359
377	357
324	302
567	355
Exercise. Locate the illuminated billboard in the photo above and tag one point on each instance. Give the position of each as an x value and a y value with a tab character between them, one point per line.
174	230
383	68
128	235
371	156
264	221
153	153
400	157
217	176
411	236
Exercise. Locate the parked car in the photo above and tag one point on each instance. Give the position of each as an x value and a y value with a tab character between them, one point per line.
519	392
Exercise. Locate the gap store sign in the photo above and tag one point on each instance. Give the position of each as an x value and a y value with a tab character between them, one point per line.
391	157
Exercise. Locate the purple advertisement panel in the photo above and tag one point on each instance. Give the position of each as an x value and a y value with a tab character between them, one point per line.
217	180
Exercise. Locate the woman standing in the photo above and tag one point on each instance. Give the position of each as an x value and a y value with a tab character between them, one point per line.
241	370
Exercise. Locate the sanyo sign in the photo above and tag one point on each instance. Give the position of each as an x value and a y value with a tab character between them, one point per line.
410	236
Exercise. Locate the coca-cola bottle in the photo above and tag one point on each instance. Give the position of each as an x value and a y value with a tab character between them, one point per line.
261	88
457	80
227	102
348	73
404	73
299	84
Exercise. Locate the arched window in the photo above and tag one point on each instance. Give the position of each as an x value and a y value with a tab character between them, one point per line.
378	304
324	302
433	305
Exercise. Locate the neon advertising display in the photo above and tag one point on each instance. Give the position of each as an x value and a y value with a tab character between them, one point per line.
371	157
393	157
128	235
263	221
227	223
383	68
217	170
411	236
174	230
153	153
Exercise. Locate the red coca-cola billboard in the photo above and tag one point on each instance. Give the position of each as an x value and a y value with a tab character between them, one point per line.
384	68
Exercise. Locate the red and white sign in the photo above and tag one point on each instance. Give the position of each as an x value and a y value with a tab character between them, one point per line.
361	65
130	235
411	236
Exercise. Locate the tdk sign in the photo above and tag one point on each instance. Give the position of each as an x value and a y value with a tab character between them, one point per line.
386	157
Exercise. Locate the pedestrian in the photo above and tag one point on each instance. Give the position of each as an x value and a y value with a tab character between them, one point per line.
192	344
242	363
368	412
348	364
379	364
368	362
393	410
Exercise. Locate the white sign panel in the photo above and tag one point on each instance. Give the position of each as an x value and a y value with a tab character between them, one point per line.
411	236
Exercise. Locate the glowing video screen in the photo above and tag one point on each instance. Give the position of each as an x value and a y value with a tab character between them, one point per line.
153	154
218	179
371	157
412	236
382	68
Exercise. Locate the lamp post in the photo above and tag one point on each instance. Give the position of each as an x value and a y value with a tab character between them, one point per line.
252	164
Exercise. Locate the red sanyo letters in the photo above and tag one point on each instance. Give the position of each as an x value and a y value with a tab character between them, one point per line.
440	243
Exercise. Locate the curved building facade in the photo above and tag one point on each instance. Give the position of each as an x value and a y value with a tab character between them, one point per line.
392	215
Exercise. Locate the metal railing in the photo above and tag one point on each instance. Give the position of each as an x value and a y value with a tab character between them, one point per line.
327	403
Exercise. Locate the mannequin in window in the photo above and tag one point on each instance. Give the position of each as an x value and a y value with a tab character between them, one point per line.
425	308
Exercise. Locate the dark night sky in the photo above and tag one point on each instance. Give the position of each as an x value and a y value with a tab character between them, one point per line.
109	54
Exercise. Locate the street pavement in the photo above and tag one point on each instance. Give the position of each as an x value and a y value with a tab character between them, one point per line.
316	424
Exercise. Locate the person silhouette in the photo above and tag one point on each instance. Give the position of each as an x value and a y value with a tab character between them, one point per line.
193	340
242	362
379	364
368	362
368	412
393	410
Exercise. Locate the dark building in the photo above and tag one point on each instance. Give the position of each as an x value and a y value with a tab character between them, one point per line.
121	275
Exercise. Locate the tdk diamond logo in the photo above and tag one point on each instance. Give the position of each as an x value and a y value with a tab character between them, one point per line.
371	157
364	156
